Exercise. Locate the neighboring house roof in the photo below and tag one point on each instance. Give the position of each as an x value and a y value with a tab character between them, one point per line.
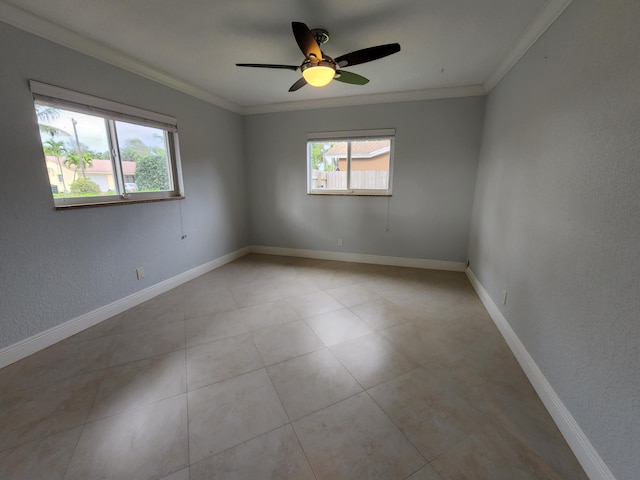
104	166
99	165
359	149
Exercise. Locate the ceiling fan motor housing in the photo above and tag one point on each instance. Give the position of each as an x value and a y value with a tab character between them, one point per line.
321	35
319	69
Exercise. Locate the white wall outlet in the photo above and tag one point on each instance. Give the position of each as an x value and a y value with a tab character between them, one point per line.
140	273
339	242
504	297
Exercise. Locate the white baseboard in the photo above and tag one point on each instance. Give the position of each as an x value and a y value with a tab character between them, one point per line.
361	258
584	451
42	340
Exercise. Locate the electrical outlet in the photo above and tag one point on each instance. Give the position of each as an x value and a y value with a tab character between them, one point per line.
339	242
140	273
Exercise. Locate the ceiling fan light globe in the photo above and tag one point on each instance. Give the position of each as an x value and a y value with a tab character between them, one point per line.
319	75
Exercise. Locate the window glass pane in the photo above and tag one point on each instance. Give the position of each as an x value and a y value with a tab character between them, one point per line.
328	162
101	149
350	165
144	157
76	149
370	161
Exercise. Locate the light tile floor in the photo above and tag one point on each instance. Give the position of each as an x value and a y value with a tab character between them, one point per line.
284	368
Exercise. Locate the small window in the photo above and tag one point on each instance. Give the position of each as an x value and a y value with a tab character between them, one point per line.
350	163
104	152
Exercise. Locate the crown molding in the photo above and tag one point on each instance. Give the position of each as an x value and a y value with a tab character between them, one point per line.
545	17
353	100
58	34
41	27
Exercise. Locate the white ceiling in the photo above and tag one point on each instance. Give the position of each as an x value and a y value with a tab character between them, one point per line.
449	47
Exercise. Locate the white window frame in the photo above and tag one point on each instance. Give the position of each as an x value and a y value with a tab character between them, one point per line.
348	136
62	98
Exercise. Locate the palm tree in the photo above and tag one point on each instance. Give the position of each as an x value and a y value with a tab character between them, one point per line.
56	149
74	159
46	115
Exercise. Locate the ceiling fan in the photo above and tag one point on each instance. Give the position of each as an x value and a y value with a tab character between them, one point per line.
318	69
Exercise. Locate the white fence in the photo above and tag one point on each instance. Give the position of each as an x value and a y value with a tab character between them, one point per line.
360	179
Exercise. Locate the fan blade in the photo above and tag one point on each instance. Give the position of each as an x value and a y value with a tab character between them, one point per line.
367	54
298	85
350	77
305	40
268	65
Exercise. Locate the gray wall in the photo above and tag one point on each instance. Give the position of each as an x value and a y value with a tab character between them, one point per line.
56	265
434	172
556	217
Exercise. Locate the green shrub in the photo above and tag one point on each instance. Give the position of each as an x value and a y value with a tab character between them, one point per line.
84	185
151	174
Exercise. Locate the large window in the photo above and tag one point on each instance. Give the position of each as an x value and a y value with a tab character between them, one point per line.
101	152
350	163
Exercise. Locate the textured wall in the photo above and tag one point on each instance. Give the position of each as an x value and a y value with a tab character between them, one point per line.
434	171
56	265
556	217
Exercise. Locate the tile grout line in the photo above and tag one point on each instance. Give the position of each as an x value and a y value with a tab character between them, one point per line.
290	422
75	447
304	452
84	424
398	427
186	378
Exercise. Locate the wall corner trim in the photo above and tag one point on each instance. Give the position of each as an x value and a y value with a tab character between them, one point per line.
545	17
42	340
589	458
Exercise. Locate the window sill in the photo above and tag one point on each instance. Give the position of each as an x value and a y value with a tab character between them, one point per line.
349	194
117	202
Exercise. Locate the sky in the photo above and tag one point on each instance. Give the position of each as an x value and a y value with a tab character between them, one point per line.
92	131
